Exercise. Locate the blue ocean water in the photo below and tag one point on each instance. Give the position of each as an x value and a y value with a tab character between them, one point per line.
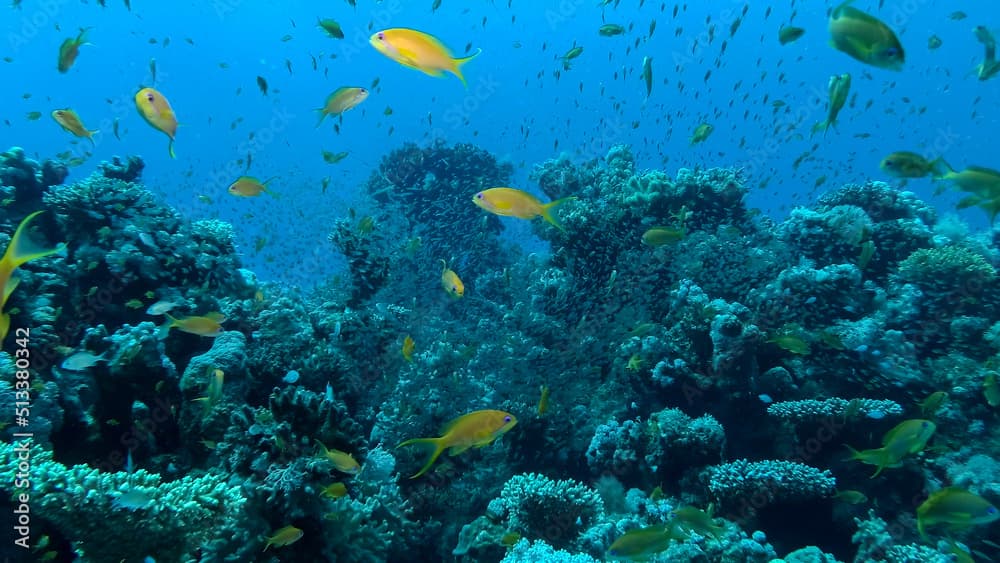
519	104
705	383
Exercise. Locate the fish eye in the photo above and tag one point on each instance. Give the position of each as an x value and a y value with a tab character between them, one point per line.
506	419
149	97
889	163
891	52
479	195
381	36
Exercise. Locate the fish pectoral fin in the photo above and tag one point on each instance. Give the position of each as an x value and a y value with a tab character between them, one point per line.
455	450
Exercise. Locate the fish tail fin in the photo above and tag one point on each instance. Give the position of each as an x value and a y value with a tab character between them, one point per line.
439	447
547	211
21	250
940	168
170	149
855	454
90	135
821	126
457	70
164	329
322	116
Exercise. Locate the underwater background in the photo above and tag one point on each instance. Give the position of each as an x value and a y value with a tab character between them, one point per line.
736	334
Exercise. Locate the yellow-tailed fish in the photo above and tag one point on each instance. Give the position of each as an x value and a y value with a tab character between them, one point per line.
156	110
789	33
933	402
658	236
420	51
19	250
865	38
213	390
851	497
543	401
907	437
476	429
510	202
408	346
701	133
450	281
248	186
71	122
284	536
956	508
905	164
334	490
207	325
697	520
991	389
70	48
839	87
341	100
342	461
642	543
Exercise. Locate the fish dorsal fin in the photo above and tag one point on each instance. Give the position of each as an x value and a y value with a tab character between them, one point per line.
215	316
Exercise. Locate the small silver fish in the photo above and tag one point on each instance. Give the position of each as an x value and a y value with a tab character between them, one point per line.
161	307
79	361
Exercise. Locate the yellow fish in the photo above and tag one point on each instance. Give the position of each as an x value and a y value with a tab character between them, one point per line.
450	281
658	236
476	429
341	100
342	461
408	346
865	38
641	543
958	508
838	89
285	536
419	51
907	437
70	48
19	250
906	164
543	401
208	325
334	490
156	110
248	186
510	202
701	133
71	122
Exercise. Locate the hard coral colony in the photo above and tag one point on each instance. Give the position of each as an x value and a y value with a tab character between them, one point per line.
622	363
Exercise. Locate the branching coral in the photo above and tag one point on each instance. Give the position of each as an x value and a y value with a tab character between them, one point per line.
168	518
540	508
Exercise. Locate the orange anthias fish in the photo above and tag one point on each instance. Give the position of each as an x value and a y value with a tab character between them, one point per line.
408	346
156	110
511	202
341	100
476	429
342	461
70	48
208	325
19	251
419	51
71	122
248	186
285	536
451	282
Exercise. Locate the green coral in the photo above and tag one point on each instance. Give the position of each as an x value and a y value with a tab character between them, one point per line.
946	269
169	520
